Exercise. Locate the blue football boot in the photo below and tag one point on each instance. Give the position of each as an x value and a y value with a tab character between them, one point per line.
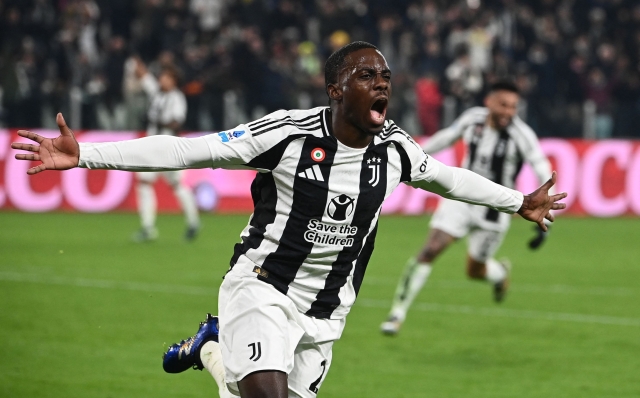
186	354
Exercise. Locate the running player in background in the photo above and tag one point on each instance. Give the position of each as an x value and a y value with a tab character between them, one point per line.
167	112
497	143
323	174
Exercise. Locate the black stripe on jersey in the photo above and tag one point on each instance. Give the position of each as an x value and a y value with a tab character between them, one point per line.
264	195
277	126
405	163
287	120
269	159
497	168
370	199
519	164
393	129
327	127
473	144
261	123
499	155
265	198
308	202
363	259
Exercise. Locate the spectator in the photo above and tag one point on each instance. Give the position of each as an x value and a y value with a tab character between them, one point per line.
255	56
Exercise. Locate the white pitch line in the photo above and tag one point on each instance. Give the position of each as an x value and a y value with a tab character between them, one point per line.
508	313
525	288
108	284
370	303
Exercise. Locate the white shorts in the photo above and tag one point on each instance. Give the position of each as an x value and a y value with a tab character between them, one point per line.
261	329
173	177
486	230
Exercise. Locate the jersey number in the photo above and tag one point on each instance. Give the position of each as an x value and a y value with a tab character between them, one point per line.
314	386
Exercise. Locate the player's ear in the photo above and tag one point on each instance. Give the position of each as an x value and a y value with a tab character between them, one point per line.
334	92
487	100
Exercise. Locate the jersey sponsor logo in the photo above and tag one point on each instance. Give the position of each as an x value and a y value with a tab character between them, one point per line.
340	207
330	234
312	173
317	154
226	136
374	165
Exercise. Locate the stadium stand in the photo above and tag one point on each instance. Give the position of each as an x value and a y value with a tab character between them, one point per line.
577	63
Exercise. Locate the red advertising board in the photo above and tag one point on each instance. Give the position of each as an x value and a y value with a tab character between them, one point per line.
601	177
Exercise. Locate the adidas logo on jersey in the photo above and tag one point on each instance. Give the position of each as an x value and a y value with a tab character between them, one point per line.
312	173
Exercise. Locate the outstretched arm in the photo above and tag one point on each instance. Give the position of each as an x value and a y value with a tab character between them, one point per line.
466	186
239	148
60	153
537	205
156	153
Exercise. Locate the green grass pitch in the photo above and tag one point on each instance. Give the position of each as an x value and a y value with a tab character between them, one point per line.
86	313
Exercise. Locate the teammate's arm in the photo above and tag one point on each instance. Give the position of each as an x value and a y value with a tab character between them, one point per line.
147	81
442	139
447	136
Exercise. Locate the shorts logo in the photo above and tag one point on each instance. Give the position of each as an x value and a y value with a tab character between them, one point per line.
226	136
340	207
257	351
317	154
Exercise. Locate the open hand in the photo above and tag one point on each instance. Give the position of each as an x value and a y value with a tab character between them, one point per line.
60	153
536	205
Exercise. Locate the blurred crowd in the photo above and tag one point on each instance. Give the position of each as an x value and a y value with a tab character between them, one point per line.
240	59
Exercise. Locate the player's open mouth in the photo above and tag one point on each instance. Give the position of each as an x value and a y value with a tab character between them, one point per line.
379	110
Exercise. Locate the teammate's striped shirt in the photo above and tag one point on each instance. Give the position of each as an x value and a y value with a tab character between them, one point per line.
496	155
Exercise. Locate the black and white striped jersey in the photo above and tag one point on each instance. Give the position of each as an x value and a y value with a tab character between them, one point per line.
316	201
496	155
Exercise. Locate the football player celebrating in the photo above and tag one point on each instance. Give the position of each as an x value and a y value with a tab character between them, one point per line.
322	176
497	143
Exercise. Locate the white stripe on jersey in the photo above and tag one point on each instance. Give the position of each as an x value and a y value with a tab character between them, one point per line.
343	180
273	231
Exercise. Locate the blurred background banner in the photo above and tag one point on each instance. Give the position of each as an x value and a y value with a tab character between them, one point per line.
602	176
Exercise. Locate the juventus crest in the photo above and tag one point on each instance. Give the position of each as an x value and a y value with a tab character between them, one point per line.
374	165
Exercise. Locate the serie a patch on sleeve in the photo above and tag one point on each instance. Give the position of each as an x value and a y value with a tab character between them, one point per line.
226	136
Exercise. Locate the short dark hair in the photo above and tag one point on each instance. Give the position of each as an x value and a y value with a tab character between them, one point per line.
504	85
172	71
336	60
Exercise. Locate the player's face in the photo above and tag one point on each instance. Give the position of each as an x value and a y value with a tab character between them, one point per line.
166	82
503	106
365	82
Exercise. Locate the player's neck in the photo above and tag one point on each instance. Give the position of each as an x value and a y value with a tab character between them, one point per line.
347	133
